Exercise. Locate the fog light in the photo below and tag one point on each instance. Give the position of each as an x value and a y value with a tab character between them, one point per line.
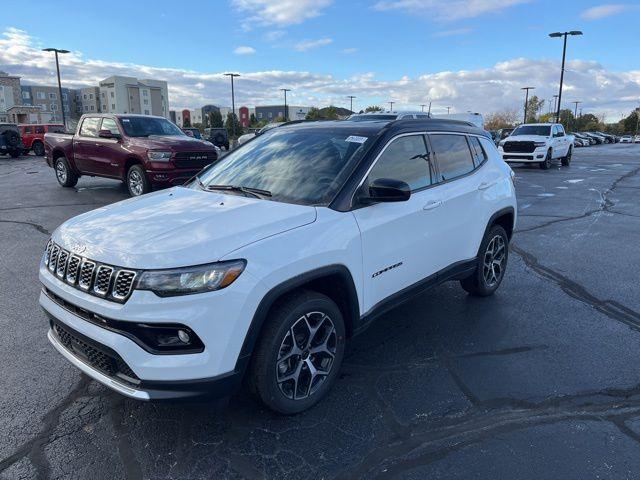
183	336
160	176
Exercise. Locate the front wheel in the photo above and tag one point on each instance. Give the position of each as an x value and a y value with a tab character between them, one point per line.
491	264
566	161
65	176
299	353
546	163
38	149
137	182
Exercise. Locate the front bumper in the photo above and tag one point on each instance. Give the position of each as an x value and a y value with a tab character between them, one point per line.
536	156
170	178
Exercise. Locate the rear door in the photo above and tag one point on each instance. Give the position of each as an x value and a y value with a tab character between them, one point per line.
84	145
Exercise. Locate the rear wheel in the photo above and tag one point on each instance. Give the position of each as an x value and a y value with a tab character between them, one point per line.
546	163
299	353
491	264
137	182
38	148
566	161
65	176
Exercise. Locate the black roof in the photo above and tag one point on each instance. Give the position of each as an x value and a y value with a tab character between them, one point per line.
375	127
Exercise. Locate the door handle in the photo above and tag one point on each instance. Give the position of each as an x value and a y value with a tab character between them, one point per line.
485	185
432	204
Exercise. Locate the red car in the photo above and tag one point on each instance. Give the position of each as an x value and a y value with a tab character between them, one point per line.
145	152
33	136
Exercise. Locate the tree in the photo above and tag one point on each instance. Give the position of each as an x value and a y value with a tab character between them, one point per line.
331	113
313	114
279	119
215	119
534	105
232	119
373	108
506	118
253	121
630	124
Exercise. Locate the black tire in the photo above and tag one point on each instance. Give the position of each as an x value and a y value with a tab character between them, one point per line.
137	182
294	314
546	163
226	147
11	138
38	148
64	174
15	153
478	284
566	161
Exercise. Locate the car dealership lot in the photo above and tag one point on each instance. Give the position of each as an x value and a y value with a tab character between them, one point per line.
446	386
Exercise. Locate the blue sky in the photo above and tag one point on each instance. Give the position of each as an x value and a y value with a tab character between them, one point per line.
326	49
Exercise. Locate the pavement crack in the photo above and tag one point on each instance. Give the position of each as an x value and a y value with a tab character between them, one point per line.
128	459
37	226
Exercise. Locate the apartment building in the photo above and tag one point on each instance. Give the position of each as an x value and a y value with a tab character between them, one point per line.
87	100
120	94
47	99
272	112
9	92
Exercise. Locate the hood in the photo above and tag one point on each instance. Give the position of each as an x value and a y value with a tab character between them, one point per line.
527	138
171	142
177	227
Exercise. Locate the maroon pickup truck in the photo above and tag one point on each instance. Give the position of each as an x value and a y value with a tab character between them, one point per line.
143	151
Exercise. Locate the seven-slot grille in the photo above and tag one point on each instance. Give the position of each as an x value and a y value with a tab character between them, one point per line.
98	279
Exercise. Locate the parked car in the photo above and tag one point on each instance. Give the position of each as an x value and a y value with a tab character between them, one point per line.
626	139
502	134
636	139
33	136
608	138
218	136
579	141
599	140
145	152
474	118
192	132
10	141
538	143
271	259
251	135
586	139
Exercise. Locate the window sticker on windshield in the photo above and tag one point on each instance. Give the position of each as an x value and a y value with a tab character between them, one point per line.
126	120
356	139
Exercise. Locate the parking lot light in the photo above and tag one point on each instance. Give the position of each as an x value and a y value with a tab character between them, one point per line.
233	104
564	54
351	97
57	51
526	101
286	113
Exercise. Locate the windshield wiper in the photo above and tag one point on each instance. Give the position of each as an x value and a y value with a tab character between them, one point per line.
256	192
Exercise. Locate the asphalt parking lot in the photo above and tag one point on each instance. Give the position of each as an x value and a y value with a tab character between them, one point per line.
539	381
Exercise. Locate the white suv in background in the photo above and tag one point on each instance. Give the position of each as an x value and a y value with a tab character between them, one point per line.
538	143
271	259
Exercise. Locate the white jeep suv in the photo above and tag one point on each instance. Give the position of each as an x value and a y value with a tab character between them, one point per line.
538	143
269	260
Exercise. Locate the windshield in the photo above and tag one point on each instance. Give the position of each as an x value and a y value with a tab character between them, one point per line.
365	118
540	130
145	126
304	166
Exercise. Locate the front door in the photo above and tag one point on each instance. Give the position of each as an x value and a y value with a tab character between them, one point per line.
84	145
105	160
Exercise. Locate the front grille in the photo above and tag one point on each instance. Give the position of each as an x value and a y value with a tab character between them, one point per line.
98	356
194	159
519	147
105	281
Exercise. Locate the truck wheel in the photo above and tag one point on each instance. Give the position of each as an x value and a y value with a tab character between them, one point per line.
491	264
65	176
546	163
566	161
137	182
299	353
38	148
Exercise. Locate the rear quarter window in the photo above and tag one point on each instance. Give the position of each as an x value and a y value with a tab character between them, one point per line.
453	155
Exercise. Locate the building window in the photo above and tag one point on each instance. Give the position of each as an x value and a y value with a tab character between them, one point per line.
102	94
146	112
40	95
52	96
146	102
54	107
92	108
113	107
86	108
260	115
91	96
26	96
104	108
112	95
145	93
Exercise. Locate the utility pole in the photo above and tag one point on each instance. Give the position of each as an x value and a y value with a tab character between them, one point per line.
391	106
422	105
448	110
286	111
526	101
233	104
57	51
351	97
564	54
429	112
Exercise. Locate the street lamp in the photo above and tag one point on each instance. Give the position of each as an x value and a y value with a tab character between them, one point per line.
422	105
448	110
576	103
57	51
233	103
286	113
351	97
526	101
391	106
564	54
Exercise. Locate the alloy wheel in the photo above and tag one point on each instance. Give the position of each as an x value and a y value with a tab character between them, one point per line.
306	355
136	185
61	171
493	262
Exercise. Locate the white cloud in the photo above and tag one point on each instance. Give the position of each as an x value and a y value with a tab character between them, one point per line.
452	33
274	35
481	90
244	50
606	10
279	12
349	51
311	44
448	9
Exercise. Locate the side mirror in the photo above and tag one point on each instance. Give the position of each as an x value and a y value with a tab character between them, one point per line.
388	190
108	134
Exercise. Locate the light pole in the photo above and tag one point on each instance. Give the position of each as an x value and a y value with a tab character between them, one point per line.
429	112
422	105
576	103
448	110
233	104
526	101
391	106
351	97
286	113
57	51
564	54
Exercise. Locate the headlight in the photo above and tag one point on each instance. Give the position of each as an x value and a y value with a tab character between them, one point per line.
539	144
188	280
158	156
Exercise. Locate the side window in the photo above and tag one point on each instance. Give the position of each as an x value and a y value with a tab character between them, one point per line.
110	124
406	159
27	130
452	154
479	155
89	127
560	130
488	146
39	129
422	116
